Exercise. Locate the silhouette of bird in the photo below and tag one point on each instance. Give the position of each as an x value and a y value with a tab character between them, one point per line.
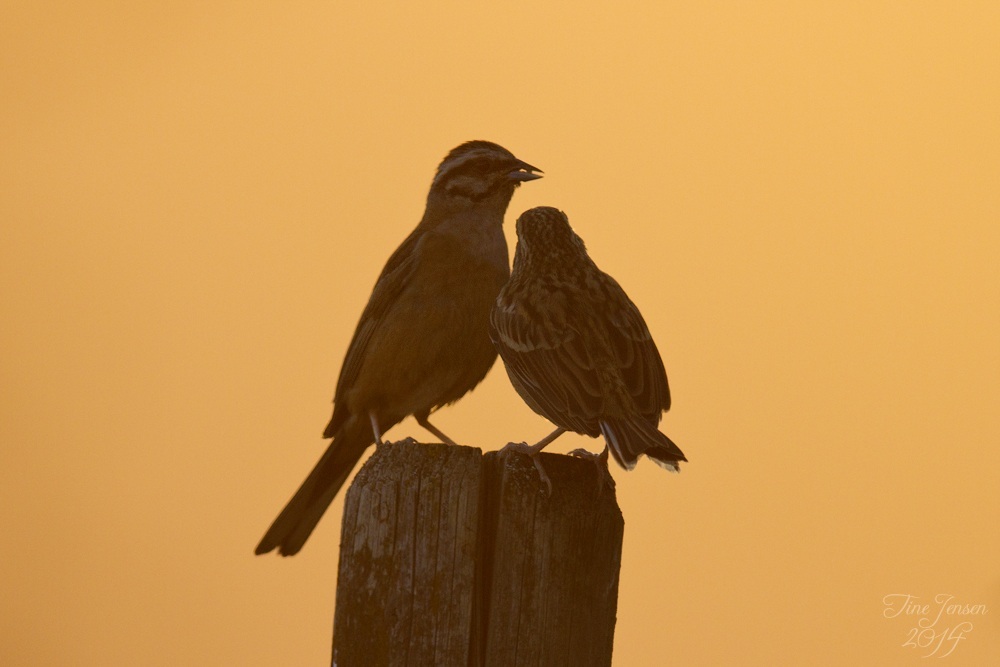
423	339
577	349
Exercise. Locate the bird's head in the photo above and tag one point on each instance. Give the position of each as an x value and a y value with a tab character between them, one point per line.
479	174
544	232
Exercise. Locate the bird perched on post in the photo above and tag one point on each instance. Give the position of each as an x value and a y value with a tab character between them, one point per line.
576	348
423	339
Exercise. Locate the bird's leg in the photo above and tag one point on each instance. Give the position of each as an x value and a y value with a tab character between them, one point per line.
376	431
533	451
601	461
434	430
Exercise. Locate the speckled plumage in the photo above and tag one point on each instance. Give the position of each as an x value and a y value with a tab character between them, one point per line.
575	346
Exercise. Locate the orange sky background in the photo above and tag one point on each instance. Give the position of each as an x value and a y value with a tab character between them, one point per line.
802	200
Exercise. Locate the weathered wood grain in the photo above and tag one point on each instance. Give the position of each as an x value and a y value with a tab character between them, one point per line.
449	557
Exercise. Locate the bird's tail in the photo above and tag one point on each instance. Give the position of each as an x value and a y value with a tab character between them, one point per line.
296	522
631	438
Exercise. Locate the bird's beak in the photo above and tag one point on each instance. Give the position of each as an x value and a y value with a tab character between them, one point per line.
524	172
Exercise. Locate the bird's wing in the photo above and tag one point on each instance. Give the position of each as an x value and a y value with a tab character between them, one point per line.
554	352
548	361
393	279
635	353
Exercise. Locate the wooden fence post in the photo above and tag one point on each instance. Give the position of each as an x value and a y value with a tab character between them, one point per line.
450	557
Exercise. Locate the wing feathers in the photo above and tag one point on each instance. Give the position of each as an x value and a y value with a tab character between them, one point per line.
560	355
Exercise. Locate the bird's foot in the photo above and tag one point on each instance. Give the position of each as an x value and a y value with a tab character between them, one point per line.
604	478
435	431
408	440
532	451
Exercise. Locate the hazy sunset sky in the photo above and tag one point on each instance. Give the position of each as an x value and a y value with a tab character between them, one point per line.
803	199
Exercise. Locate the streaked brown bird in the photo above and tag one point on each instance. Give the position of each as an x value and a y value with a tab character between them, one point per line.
423	340
576	348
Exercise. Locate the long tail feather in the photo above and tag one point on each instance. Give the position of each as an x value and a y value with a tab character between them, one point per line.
299	517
